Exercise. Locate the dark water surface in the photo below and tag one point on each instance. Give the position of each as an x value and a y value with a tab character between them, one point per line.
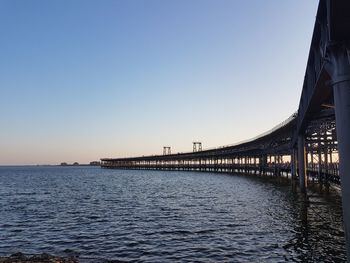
154	216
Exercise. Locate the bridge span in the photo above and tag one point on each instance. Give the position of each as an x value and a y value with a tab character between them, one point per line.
313	144
267	154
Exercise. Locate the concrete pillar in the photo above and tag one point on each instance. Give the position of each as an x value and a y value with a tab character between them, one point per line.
263	164
255	168
338	67
302	163
293	164
342	113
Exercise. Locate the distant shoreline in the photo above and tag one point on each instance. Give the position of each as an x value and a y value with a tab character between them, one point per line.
53	165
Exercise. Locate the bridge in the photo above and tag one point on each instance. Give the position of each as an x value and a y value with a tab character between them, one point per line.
312	144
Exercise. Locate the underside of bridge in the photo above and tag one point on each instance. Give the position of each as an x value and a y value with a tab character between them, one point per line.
313	144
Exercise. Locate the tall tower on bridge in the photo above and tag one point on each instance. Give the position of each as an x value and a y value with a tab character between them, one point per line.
195	144
166	150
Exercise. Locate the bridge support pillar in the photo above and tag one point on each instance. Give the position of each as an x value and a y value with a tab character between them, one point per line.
293	164
326	176
342	113
302	163
338	67
320	179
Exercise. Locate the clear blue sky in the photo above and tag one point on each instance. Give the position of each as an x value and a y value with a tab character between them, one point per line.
81	80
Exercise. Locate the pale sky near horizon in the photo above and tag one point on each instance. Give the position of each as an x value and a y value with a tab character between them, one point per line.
81	80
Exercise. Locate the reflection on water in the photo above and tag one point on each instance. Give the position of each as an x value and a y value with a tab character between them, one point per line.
154	216
319	235
322	234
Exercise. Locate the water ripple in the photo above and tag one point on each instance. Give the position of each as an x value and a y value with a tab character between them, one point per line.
149	216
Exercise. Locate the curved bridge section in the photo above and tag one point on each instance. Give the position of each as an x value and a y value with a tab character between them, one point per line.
270	153
259	155
313	144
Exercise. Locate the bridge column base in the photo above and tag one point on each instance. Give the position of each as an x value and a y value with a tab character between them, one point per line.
342	112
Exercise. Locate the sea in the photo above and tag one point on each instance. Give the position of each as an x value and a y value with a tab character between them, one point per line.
106	215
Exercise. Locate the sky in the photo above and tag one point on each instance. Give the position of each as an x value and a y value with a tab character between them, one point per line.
82	80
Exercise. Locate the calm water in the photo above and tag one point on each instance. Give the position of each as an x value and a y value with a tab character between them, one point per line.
154	216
